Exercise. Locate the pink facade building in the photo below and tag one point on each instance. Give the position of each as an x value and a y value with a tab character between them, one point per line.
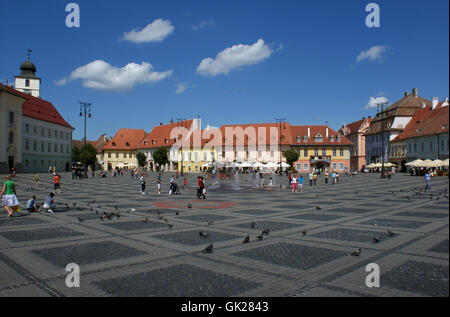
354	132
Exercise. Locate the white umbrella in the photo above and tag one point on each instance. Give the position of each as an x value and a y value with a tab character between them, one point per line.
283	164
445	163
271	165
246	164
438	163
258	164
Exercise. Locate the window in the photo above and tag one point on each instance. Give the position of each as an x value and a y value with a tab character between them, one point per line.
62	136
109	155
339	139
431	146
42	163
27	127
298	139
334	152
272	154
318	139
62	148
117	155
56	133
305	166
415	147
331	138
316	152
27	163
34	130
205	156
49	148
259	154
341	152
422	147
11	117
305	139
56	148
27	145
334	166
27	83
11	137
42	132
305	152
341	166
34	146
442	145
299	167
324	152
49	133
42	147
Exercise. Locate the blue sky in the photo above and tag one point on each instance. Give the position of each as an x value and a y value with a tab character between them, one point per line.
305	69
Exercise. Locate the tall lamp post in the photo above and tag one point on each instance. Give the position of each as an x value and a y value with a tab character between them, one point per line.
382	107
181	123
85	110
281	123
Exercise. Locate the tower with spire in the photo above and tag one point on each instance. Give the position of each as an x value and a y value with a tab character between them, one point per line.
27	82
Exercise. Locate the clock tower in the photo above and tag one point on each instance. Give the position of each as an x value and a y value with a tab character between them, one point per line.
27	82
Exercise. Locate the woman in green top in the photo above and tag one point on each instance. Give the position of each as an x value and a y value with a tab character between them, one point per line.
9	195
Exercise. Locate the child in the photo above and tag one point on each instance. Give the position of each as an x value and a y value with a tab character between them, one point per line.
56	178
300	183
49	203
270	184
36	180
294	184
31	205
184	182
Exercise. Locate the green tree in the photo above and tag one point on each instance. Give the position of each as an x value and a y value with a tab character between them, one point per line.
78	155
141	158
291	156
160	156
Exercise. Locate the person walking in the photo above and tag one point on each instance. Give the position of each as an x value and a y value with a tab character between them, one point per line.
184	182
294	184
311	176
270	185
261	181
301	180
56	182
36	180
142	180
333	177
158	184
427	179
200	187
326	177
315	179
337	178
8	194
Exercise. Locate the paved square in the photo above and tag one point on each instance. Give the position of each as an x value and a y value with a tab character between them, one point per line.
306	253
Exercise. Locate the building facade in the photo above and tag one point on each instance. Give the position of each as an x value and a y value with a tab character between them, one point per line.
120	151
320	149
355	133
389	123
10	130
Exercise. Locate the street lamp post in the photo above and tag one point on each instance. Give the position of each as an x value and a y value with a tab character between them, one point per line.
181	123
281	123
85	110
381	107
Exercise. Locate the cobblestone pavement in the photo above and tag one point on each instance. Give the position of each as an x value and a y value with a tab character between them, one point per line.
154	248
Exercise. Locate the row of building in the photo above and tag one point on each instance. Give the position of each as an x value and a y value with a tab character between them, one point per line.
34	137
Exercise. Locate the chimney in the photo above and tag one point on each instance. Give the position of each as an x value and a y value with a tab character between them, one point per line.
415	92
309	132
370	117
435	102
160	123
406	93
424	105
326	132
171	120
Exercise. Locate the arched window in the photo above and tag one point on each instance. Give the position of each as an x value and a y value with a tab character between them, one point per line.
27	83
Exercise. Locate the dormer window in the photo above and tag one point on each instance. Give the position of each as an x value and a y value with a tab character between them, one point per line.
318	138
127	144
305	139
114	144
339	138
27	83
419	130
444	126
298	139
331	138
153	142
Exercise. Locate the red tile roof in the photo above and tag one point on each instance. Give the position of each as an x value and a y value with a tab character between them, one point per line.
125	139
161	135
320	130
355	126
39	109
426	122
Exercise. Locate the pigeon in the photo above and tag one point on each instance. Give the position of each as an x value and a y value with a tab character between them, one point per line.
157	211
74	204
260	237
356	253
80	219
99	206
118	216
265	231
145	220
304	233
210	222
91	209
253	225
203	234
318	208
376	240
208	249
115	207
189	205
177	213
170	226
96	212
246	239
165	219
109	216
392	234
103	217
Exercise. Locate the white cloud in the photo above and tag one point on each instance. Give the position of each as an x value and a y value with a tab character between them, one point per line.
374	53
203	24
235	57
373	102
156	31
100	75
182	87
